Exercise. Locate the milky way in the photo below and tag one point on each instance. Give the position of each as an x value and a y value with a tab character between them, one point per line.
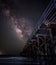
20	25
17	21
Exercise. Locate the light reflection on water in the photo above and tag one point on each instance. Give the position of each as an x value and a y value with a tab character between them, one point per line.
21	60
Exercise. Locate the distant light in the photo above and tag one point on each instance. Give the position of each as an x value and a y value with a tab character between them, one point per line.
1	53
46	23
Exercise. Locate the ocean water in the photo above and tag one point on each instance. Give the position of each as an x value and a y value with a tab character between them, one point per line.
23	61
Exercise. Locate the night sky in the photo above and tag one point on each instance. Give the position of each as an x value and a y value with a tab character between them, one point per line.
17	21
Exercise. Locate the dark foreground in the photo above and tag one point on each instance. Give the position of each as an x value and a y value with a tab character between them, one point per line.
25	61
